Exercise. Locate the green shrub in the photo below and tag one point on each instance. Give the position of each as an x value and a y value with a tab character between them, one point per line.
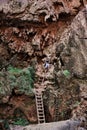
21	121
22	79
66	73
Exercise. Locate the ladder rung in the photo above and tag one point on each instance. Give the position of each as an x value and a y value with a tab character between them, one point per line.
40	113
39	100
40	104
40	110
41	107
41	119
41	116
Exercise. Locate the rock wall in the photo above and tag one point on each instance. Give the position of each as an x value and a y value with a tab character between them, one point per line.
71	53
33	31
30	24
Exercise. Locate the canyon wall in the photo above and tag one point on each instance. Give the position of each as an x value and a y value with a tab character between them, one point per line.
34	31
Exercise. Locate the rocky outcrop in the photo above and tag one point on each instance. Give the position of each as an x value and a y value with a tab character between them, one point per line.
73	48
38	10
20	20
71	53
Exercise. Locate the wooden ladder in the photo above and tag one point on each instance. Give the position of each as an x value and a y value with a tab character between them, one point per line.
40	107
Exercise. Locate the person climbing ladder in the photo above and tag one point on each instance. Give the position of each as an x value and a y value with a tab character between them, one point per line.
46	66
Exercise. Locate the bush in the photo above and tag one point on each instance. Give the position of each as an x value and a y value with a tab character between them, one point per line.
21	121
66	73
22	79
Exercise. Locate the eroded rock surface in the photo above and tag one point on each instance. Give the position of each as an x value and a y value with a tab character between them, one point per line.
39	10
73	49
33	31
72	54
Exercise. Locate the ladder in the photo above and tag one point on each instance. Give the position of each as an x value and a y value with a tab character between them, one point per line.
39	106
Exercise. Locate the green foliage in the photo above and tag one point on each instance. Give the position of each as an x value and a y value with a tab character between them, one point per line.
66	73
21	121
5	124
13	70
22	79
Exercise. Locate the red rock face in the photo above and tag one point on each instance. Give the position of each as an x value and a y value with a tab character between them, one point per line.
32	30
22	35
